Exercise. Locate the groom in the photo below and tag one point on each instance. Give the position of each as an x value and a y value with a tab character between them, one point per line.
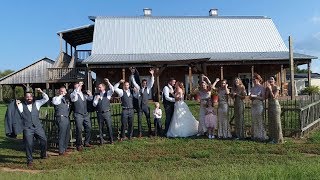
168	102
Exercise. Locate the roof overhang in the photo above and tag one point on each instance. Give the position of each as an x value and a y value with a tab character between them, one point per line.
79	35
184	58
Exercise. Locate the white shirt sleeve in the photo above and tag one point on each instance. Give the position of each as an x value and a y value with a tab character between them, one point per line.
74	96
134	82
110	91
166	94
39	103
57	100
88	98
117	90
95	101
150	84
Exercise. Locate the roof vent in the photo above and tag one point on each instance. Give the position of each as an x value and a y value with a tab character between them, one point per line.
213	12
147	12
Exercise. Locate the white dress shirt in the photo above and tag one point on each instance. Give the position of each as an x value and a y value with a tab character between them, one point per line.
38	103
76	92
120	91
57	100
109	95
166	91
149	84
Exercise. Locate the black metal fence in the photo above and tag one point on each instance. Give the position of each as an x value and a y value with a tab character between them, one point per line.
298	117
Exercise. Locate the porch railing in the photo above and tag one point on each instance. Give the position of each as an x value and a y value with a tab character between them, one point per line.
58	74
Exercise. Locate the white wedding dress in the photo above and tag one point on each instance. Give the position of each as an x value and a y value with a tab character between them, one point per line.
183	123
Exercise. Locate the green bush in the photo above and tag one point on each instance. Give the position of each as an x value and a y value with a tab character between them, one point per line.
311	90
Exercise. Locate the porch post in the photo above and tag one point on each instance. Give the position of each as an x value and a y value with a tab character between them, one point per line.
291	68
89	80
204	69
158	85
221	72
281	79
309	75
252	73
61	42
124	73
190	79
1	93
47	91
66	47
66	85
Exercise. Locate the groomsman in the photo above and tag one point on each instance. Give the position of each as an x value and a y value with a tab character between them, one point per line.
32	127
81	115
168	102
143	96
127	114
102	103
61	106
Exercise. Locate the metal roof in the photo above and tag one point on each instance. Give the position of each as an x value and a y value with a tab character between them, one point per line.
156	35
160	57
79	35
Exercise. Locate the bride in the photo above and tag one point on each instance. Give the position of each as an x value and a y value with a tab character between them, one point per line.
183	123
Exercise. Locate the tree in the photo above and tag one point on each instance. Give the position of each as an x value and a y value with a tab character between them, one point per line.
301	71
7	90
5	72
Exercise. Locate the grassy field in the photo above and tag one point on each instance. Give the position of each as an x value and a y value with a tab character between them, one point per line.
161	158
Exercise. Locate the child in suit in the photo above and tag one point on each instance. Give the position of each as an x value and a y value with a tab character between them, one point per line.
157	119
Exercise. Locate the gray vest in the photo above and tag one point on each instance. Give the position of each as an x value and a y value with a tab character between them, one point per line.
127	101
30	118
104	104
144	96
62	109
166	102
80	106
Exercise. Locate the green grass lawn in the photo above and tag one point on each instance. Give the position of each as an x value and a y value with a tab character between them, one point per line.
162	158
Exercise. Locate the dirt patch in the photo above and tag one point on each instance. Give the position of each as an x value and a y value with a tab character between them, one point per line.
21	170
310	154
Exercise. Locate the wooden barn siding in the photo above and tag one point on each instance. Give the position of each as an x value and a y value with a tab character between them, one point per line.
36	73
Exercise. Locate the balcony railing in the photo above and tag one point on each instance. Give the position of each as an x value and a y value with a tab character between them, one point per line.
81	55
65	74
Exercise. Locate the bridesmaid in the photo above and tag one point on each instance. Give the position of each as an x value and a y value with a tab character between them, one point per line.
274	112
257	96
223	120
238	92
205	95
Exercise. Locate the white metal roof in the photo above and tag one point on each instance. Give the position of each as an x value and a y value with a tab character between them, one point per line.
144	35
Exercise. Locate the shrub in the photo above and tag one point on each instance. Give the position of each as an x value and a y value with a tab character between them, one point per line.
311	90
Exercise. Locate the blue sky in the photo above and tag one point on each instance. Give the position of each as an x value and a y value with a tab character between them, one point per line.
28	30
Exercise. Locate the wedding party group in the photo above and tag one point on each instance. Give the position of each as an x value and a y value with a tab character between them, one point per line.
135	94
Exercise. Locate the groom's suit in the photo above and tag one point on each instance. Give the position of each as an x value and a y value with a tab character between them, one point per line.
168	103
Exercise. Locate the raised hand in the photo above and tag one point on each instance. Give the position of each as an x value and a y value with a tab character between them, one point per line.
106	80
39	90
151	71
81	83
18	101
89	93
122	81
132	69
217	79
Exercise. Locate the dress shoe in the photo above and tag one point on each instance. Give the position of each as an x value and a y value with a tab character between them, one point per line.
30	164
79	148
88	145
68	150
63	154
102	142
140	135
46	156
111	142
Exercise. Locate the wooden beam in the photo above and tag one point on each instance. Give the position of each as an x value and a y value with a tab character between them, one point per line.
89	87
221	72
161	69
204	68
281	80
61	40
1	93
190	79
158	84
309	75
291	68
124	73
66	47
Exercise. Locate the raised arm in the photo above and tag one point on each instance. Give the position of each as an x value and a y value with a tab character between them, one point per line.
45	98
215	83
133	80
57	100
117	89
151	81
111	89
